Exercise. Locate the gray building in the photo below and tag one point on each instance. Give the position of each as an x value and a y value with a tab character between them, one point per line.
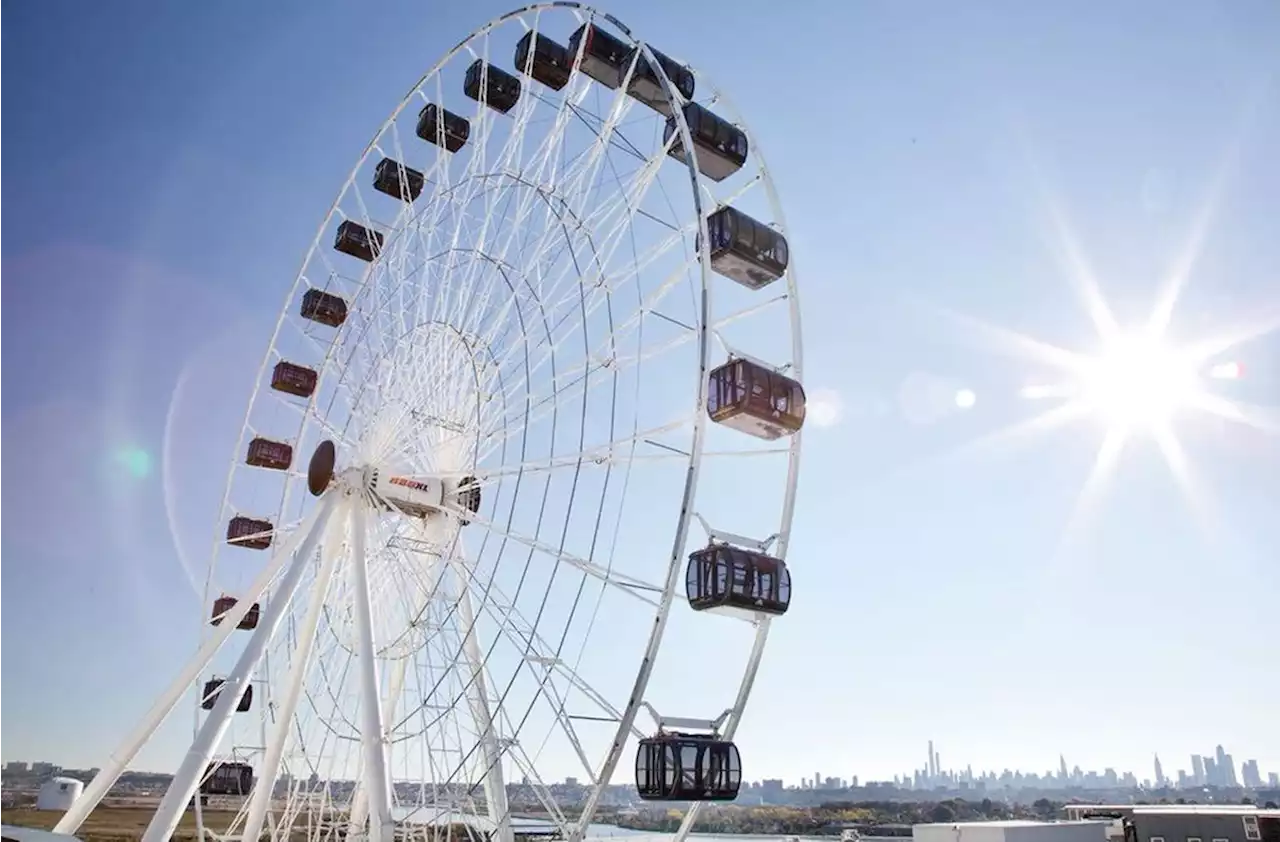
1204	824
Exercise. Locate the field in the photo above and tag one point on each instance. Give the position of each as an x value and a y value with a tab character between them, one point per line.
118	824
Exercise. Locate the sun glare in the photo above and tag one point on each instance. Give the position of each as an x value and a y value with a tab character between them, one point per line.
1138	381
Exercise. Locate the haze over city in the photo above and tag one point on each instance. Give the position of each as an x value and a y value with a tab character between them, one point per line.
1035	515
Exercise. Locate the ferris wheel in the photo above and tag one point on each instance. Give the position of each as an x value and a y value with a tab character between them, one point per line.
529	420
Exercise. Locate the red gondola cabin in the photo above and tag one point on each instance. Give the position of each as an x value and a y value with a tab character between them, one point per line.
755	400
213	688
687	767
646	87
604	57
223	604
294	379
227	779
746	250
398	181
539	57
492	86
249	533
721	146
324	308
356	240
725	577
273	455
443	128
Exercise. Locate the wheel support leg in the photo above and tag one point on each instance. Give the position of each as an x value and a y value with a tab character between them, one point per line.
122	757
260	801
184	783
373	739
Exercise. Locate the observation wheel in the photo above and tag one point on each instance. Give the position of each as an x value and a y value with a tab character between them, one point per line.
531	411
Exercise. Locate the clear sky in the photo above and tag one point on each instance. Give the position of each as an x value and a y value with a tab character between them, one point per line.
166	166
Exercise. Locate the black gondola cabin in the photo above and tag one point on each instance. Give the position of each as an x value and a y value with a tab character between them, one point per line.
273	455
397	180
213	688
548	62
720	146
646	87
227	779
722	576
746	250
687	767
356	240
604	57
443	128
249	532
468	497
324	308
294	379
755	400
223	604
491	86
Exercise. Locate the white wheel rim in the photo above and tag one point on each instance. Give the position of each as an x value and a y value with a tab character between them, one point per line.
456	336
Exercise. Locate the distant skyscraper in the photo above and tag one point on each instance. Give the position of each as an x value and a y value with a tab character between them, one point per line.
1063	774
1228	765
1197	770
1160	781
932	769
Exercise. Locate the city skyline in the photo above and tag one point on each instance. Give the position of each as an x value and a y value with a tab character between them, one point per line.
945	585
1216	769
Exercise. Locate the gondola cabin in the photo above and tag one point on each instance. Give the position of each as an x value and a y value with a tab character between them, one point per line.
737	579
223	604
468	497
273	455
491	86
227	779
356	240
720	146
397	180
541	58
604	57
213	687
646	87
687	767
324	308
443	128
294	379
746	250
756	400
249	532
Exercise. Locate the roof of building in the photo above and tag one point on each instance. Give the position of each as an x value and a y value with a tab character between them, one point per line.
1013	823
1165	808
1196	809
30	834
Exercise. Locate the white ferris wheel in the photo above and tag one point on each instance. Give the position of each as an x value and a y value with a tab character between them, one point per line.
529	417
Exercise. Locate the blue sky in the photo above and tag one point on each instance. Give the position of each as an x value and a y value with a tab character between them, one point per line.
166	168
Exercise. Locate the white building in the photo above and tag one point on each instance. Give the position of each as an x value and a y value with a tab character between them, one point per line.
1012	831
59	794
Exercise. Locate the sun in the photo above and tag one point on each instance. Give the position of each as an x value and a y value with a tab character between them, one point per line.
1138	381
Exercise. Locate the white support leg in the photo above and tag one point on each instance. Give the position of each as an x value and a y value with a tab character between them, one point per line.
184	783
360	799
265	786
373	739
122	757
495	788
